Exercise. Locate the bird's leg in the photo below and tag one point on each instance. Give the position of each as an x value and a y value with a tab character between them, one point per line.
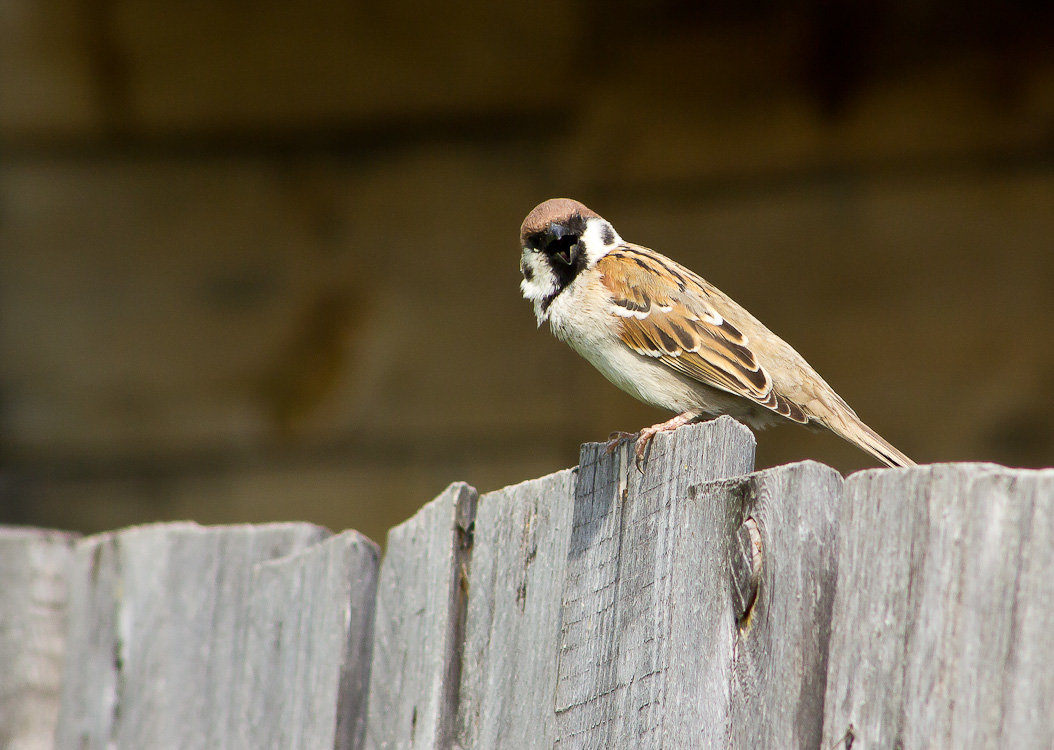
648	433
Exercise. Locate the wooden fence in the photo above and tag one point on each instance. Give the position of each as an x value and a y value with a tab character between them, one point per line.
696	606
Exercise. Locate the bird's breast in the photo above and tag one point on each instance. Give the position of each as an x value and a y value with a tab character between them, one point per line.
583	317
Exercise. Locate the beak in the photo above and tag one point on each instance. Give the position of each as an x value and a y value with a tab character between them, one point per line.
558	231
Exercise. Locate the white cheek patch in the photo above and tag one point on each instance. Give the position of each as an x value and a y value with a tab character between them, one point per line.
599	239
539	281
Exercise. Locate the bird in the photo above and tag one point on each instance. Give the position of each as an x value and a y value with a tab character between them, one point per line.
668	337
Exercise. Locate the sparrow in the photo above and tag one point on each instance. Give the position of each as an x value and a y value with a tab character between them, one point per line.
667	336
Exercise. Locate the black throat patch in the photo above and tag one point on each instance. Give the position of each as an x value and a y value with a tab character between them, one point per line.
560	244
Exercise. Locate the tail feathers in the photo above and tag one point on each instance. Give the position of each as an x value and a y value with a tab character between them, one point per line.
863	437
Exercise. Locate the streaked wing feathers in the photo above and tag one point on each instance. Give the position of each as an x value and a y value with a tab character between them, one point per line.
666	313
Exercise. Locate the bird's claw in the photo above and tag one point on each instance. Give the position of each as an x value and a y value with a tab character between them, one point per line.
615	438
640	450
640	447
645	436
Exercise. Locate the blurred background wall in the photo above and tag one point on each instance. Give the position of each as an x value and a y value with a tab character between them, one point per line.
259	260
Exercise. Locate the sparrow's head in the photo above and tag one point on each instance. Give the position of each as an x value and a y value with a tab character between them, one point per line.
560	239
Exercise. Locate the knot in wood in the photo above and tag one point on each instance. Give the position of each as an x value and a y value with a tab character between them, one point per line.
745	568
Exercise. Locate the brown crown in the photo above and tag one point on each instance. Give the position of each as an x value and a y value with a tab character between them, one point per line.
559	210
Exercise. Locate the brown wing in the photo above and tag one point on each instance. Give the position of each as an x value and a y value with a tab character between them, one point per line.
667	313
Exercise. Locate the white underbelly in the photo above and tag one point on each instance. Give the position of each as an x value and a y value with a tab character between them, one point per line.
589	331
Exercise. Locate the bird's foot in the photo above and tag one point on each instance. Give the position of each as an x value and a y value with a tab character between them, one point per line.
615	438
646	435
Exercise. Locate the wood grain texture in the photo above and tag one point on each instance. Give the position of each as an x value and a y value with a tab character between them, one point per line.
34	573
779	655
695	605
512	630
646	570
307	649
421	598
156	638
941	626
745	568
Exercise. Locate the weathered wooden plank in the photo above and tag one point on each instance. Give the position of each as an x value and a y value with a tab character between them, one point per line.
642	557
941	626
34	571
421	599
779	654
307	650
512	629
156	636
